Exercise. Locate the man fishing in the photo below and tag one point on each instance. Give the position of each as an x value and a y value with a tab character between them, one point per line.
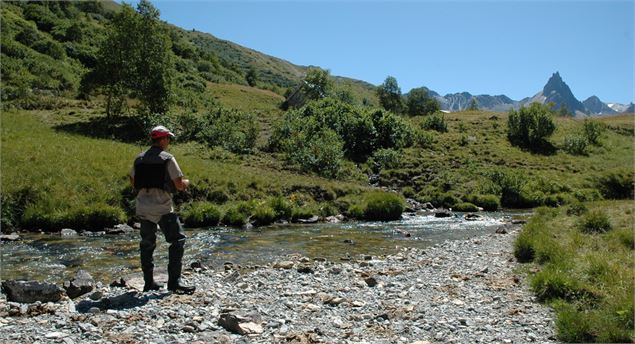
155	177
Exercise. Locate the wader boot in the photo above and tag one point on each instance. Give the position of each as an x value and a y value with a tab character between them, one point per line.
147	246
173	231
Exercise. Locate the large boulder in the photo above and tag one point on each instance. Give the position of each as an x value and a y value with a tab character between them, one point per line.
31	291
443	213
82	283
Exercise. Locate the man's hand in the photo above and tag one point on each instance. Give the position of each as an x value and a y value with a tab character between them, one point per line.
181	183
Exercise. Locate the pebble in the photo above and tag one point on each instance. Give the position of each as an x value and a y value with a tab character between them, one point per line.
412	297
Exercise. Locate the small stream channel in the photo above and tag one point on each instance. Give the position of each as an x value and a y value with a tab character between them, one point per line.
54	258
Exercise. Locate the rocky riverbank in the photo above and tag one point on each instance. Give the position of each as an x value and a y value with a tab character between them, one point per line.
458	291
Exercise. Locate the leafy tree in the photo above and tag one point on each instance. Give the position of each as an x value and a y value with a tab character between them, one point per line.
473	105
135	60
529	127
317	83
251	77
419	102
389	95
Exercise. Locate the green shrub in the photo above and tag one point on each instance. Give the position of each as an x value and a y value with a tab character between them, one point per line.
93	218
328	209
577	208
616	184
592	131
530	127
321	153
424	139
233	130
595	222
573	326
383	206
465	207
556	283
386	158
201	214
263	215
302	213
282	208
408	191
576	145
487	202
356	211
435	122
512	187
236	215
524	247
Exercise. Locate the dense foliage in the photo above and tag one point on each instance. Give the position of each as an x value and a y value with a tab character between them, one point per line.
530	127
318	135
420	103
389	94
135	61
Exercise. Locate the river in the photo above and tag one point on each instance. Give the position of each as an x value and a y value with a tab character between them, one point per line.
55	258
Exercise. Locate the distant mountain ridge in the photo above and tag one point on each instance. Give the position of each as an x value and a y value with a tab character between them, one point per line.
555	91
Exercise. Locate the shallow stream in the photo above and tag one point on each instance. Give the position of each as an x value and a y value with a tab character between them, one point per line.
56	258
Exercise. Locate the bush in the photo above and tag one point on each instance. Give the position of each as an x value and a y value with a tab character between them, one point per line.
512	189
487	202
233	130
321	152
595	222
424	139
616	184
263	215
356	211
576	145
465	207
577	208
93	218
237	215
435	122
524	247
201	214
383	206
302	213
529	127
386	158
592	131
556	283
282	208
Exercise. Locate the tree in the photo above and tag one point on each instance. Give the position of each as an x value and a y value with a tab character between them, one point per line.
135	60
251	77
389	95
529	127
473	105
317	83
420	103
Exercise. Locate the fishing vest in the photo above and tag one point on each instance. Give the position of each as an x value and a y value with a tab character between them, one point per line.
151	170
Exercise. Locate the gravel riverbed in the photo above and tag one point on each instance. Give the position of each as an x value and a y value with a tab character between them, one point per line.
457	291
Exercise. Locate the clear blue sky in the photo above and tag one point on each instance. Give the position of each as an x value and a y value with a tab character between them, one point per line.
491	47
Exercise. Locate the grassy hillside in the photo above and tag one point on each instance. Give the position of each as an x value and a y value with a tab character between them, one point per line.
466	159
51	178
60	41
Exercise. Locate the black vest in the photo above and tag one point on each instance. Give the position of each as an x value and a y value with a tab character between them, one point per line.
150	170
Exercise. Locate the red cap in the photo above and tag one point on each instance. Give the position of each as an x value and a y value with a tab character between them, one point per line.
159	132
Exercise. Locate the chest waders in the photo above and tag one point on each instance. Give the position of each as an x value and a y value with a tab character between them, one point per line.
151	172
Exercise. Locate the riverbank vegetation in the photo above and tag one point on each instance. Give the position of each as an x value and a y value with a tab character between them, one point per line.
583	258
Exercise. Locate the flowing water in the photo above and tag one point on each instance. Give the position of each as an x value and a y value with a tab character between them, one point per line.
56	258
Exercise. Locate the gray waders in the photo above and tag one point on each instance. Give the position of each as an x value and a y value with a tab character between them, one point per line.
173	232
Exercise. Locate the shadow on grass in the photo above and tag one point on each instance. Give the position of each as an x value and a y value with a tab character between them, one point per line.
121	128
128	300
